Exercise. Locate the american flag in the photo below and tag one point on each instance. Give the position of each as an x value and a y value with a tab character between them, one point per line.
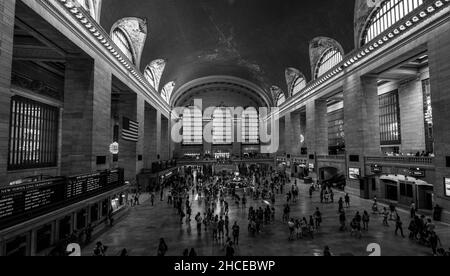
130	130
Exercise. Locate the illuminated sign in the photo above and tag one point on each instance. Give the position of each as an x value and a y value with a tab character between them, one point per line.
354	173
114	148
417	172
447	187
377	169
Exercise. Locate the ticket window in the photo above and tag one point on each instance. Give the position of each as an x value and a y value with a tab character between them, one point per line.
44	238
81	219
94	213
65	227
17	247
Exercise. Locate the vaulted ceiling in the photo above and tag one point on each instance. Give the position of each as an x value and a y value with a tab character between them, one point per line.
254	40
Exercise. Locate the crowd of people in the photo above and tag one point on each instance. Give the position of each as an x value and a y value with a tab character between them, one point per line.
215	197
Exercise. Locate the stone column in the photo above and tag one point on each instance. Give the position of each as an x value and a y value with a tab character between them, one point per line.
237	145
150	134
362	123
317	127
288	134
165	145
295	127
7	11
131	106
438	51
86	128
282	137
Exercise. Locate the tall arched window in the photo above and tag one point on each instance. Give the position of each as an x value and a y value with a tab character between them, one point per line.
154	71
222	126
192	126
166	92
329	59
121	40
281	99
295	81
389	13
298	85
250	126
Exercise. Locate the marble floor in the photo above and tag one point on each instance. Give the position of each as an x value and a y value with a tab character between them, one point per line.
140	231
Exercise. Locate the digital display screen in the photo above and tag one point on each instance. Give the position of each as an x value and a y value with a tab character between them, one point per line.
23	202
354	173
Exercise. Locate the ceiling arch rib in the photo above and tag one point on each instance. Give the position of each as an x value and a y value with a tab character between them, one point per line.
233	89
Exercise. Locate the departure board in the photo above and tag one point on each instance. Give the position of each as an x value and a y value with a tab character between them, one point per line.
23	202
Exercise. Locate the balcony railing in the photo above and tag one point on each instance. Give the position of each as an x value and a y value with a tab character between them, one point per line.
401	160
331	157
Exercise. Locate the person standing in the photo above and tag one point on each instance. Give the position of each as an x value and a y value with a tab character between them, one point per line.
385	217
318	218
227	225
434	241
341	205
399	226
229	250
347	200
342	220
413	210
236	230
152	198
199	221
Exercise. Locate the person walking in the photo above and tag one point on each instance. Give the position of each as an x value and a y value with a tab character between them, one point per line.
192	253
162	248
399	226
365	220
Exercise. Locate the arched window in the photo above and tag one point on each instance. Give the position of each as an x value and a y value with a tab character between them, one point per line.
281	99
250	126
222	126
192	126
298	85
329	59
295	81
154	71
121	40
166	92
389	13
